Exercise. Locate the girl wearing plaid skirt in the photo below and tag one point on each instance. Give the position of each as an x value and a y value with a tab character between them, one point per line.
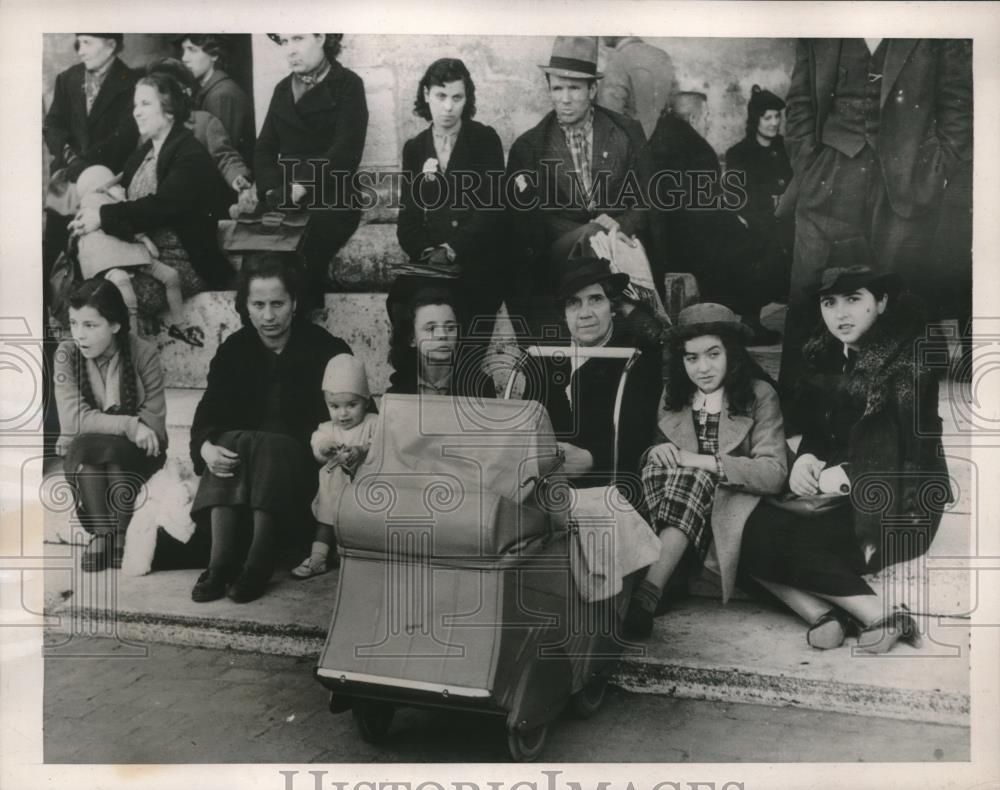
719	448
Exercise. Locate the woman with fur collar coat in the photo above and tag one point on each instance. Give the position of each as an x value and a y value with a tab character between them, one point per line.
871	434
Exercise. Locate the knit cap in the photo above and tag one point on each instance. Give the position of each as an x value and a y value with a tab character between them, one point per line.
762	100
346	373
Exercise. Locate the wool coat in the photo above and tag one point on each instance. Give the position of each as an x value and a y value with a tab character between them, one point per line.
235	396
186	197
104	136
894	453
227	101
753	454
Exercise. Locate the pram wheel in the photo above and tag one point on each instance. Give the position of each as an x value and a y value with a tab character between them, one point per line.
588	700
524	746
373	720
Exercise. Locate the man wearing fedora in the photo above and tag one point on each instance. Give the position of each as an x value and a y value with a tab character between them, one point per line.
875	130
581	170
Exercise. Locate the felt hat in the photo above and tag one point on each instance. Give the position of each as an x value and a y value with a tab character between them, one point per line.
762	100
346	373
94	179
580	272
707	318
849	266
575	57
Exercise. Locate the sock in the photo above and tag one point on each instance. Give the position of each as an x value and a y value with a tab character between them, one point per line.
320	550
647	596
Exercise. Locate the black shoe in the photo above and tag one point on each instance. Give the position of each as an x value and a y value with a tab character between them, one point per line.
249	585
118	551
638	622
211	586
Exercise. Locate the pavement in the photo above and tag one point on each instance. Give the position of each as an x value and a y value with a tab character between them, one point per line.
178	704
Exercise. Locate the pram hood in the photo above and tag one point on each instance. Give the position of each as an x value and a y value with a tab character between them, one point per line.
445	477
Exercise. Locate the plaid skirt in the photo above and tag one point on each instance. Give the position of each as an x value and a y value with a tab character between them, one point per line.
682	498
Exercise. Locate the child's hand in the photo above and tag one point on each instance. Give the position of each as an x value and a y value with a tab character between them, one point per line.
353	457
148	244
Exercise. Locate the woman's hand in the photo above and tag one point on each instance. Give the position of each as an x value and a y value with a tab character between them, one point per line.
298	192
220	461
240	183
147	440
666	455
87	220
577	460
804	479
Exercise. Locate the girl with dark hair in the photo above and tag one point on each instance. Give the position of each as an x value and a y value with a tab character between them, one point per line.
869	482
251	430
448	221
206	56
719	447
425	351
171	186
316	125
112	415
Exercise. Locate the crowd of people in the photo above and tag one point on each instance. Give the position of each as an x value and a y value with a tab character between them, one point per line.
287	415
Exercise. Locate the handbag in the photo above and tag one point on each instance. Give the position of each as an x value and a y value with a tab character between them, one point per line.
631	260
272	231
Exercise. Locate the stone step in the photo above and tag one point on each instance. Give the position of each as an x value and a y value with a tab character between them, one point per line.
743	652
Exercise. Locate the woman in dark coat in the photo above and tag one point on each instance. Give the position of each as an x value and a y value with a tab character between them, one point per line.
580	398
172	187
250	435
443	223
318	112
872	431
761	157
426	352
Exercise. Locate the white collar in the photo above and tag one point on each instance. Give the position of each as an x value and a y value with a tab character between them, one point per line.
711	403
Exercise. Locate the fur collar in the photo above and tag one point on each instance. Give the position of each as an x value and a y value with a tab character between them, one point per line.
887	368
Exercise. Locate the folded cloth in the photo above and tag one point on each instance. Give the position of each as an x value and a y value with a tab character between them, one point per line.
631	260
609	541
164	502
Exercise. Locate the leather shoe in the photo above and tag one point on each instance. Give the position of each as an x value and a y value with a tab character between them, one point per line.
249	585
638	622
211	586
882	635
97	556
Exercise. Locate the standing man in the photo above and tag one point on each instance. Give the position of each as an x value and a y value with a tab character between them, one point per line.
638	80
316	125
89	123
875	129
583	169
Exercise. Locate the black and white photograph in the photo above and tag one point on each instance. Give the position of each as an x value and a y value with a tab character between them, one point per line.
602	386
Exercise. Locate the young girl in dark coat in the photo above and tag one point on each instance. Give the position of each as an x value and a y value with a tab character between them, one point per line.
871	430
112	416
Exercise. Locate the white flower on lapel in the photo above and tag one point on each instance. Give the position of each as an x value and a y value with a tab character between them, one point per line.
430	168
604	155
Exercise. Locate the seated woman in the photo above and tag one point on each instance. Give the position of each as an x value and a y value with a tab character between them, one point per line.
112	415
425	351
579	393
455	239
719	447
250	435
171	185
872	425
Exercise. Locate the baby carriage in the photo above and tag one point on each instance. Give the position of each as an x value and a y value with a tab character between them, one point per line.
456	589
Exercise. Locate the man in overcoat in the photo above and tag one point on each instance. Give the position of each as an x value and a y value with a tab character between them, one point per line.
875	128
581	170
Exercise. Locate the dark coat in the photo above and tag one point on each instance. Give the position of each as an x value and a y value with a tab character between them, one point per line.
235	396
925	128
619	149
894	438
187	193
593	388
104	137
768	172
329	122
228	102
474	233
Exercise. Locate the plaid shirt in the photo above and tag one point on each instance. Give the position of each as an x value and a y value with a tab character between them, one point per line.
580	140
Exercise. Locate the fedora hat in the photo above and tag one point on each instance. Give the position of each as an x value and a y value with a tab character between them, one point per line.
849	266
575	57
580	272
707	318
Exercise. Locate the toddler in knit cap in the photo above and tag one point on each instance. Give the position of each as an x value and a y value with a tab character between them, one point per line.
341	445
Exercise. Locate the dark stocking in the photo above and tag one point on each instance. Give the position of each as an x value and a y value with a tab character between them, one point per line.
261	554
225	523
